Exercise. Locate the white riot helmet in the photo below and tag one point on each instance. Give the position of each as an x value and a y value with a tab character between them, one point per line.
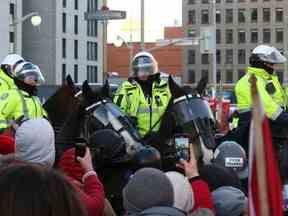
10	62
269	54
144	63
27	69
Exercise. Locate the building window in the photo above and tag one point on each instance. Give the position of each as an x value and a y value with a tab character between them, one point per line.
279	15
92	28
229	1
92	5
204	16
191	1
191	33
64	22
12	9
63	48
218	56
191	56
218	76
75	24
92	74
241	73
254	36
241	56
75	49
63	73
279	35
191	17
76	4
205	58
218	16
218	1
64	3
229	76
205	1
253	0
191	76
266	15
75	73
266	0
229	56
241	36
241	1
204	73
241	15
254	15
229	36
280	75
266	36
218	36
91	51
229	16
11	37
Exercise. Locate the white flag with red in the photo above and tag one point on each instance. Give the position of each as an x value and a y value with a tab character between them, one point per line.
265	188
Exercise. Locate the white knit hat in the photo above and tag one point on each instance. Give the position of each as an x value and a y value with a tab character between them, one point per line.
35	142
183	193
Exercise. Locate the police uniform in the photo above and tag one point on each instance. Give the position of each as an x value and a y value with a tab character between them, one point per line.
148	111
18	105
6	82
272	94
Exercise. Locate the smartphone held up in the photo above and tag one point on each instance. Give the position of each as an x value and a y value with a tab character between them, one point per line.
182	144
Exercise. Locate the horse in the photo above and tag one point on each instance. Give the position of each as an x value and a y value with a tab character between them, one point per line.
96	117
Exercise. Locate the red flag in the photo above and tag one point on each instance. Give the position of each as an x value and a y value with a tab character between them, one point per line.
265	188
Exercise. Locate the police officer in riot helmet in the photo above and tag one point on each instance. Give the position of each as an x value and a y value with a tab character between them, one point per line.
145	96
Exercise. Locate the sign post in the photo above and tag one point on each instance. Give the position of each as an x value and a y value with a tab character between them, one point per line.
104	15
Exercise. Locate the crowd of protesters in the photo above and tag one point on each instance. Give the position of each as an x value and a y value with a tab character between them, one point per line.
31	185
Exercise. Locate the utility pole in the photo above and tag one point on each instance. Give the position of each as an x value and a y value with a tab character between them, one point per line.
214	60
142	24
105	23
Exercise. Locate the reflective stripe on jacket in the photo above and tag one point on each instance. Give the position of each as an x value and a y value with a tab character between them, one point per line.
16	104
274	100
148	112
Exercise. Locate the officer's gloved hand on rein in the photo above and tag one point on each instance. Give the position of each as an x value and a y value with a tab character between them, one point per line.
282	119
152	138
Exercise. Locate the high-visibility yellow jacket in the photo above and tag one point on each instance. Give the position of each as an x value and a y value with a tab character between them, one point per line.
6	82
274	102
148	111
16	104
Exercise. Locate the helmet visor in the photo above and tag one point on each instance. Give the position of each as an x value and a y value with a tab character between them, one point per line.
31	72
143	66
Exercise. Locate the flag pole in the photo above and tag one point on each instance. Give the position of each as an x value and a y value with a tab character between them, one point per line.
259	149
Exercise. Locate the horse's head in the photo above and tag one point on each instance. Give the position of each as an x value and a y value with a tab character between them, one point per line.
62	103
191	114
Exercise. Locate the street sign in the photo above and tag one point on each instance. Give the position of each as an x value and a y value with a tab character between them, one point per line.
105	15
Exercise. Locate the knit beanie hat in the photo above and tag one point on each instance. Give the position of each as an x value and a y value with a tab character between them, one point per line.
229	201
35	142
148	187
183	194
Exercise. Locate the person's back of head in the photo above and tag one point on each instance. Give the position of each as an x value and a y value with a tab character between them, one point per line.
35	142
32	190
149	187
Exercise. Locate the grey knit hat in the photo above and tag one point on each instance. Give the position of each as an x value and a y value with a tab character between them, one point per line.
229	201
35	142
148	187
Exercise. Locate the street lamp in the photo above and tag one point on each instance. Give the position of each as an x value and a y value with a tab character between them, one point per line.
36	20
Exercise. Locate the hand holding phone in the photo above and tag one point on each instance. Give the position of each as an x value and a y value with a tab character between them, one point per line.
80	148
182	142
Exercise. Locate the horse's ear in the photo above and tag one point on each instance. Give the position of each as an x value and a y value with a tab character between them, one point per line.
69	81
175	89
86	89
201	85
90	96
105	91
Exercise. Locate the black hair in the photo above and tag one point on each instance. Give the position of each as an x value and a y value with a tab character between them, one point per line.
256	62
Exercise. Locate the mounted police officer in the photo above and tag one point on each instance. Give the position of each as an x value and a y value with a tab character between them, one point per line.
21	103
145	96
8	65
263	61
